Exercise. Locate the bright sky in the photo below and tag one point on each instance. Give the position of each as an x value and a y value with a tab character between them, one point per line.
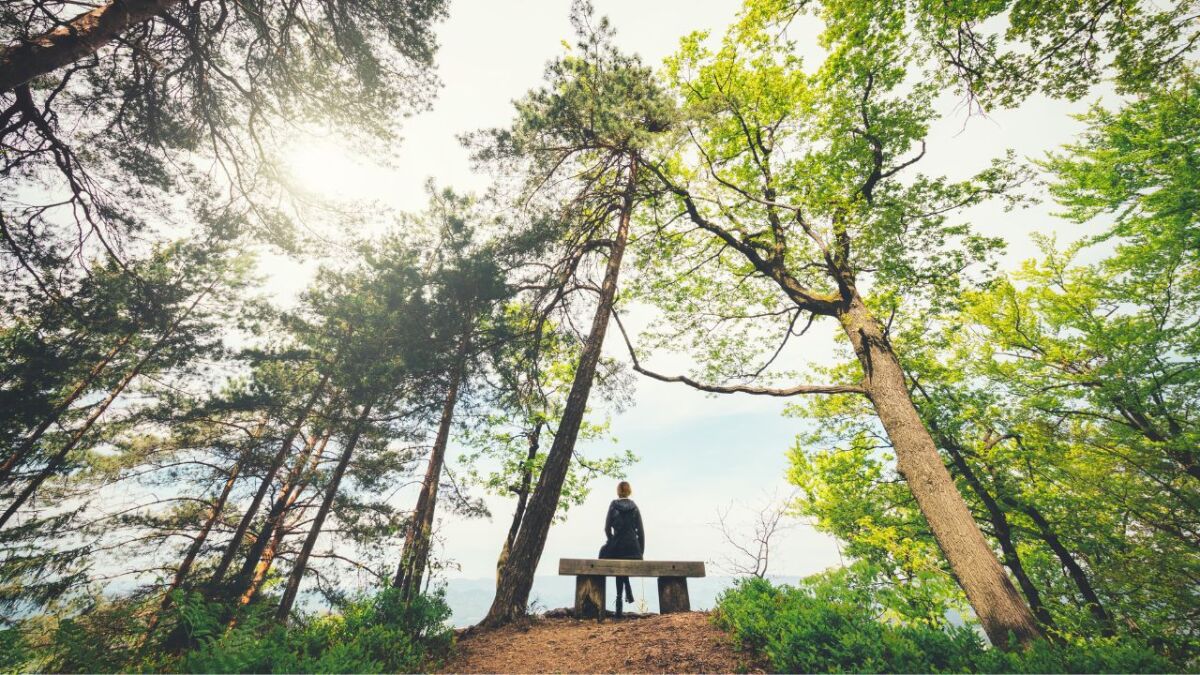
698	453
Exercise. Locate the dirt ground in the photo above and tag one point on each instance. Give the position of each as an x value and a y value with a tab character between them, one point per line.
675	643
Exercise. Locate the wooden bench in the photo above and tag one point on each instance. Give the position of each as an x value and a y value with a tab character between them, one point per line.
590	588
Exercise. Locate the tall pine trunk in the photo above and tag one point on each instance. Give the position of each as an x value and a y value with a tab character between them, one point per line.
274	514
995	600
522	498
18	456
60	457
275	530
231	549
416	540
335	481
516	578
74	40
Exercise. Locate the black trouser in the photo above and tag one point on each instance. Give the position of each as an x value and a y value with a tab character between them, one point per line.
623	583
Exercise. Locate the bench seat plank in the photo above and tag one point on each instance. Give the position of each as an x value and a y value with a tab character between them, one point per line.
630	568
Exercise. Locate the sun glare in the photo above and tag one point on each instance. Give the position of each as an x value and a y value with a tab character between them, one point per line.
331	170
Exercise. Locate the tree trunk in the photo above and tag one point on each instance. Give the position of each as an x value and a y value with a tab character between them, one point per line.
79	38
1078	576
274	515
275	531
416	540
14	460
297	575
1001	528
516	579
993	597
1074	570
231	548
189	558
522	498
59	457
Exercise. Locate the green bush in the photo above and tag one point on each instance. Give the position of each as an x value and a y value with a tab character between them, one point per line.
823	626
373	634
13	650
377	634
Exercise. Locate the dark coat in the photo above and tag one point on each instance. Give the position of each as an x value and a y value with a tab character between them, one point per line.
623	527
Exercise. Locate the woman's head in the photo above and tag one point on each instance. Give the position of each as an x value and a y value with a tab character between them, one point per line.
624	489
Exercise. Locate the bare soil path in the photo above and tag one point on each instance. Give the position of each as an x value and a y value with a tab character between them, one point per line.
686	642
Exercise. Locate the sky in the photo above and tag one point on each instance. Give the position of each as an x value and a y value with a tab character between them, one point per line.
700	454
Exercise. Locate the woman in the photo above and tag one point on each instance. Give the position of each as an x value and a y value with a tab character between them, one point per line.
626	536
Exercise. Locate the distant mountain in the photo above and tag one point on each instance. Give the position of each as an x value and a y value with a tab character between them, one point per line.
469	599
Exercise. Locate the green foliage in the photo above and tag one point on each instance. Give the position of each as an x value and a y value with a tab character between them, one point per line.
373	634
377	634
1000	52
825	625
1138	165
14	652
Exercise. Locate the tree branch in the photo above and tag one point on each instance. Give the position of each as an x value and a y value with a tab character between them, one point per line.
735	388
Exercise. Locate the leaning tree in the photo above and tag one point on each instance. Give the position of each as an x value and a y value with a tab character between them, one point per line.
576	141
788	197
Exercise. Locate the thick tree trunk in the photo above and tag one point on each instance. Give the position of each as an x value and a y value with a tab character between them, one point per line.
535	437
59	457
268	480
420	527
276	530
1000	527
79	38
18	456
335	481
516	579
996	602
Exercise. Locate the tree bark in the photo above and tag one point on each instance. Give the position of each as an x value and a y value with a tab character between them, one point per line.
516	578
522	498
416	540
255	581
274	515
57	460
79	38
231	548
297	575
14	460
996	602
1077	574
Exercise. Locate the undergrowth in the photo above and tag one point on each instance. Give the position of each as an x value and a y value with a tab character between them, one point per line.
373	634
822	626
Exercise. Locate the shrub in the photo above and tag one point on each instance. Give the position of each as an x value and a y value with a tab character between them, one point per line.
376	633
13	650
823	626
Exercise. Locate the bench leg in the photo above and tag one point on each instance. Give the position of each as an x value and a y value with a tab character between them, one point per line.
673	595
589	597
